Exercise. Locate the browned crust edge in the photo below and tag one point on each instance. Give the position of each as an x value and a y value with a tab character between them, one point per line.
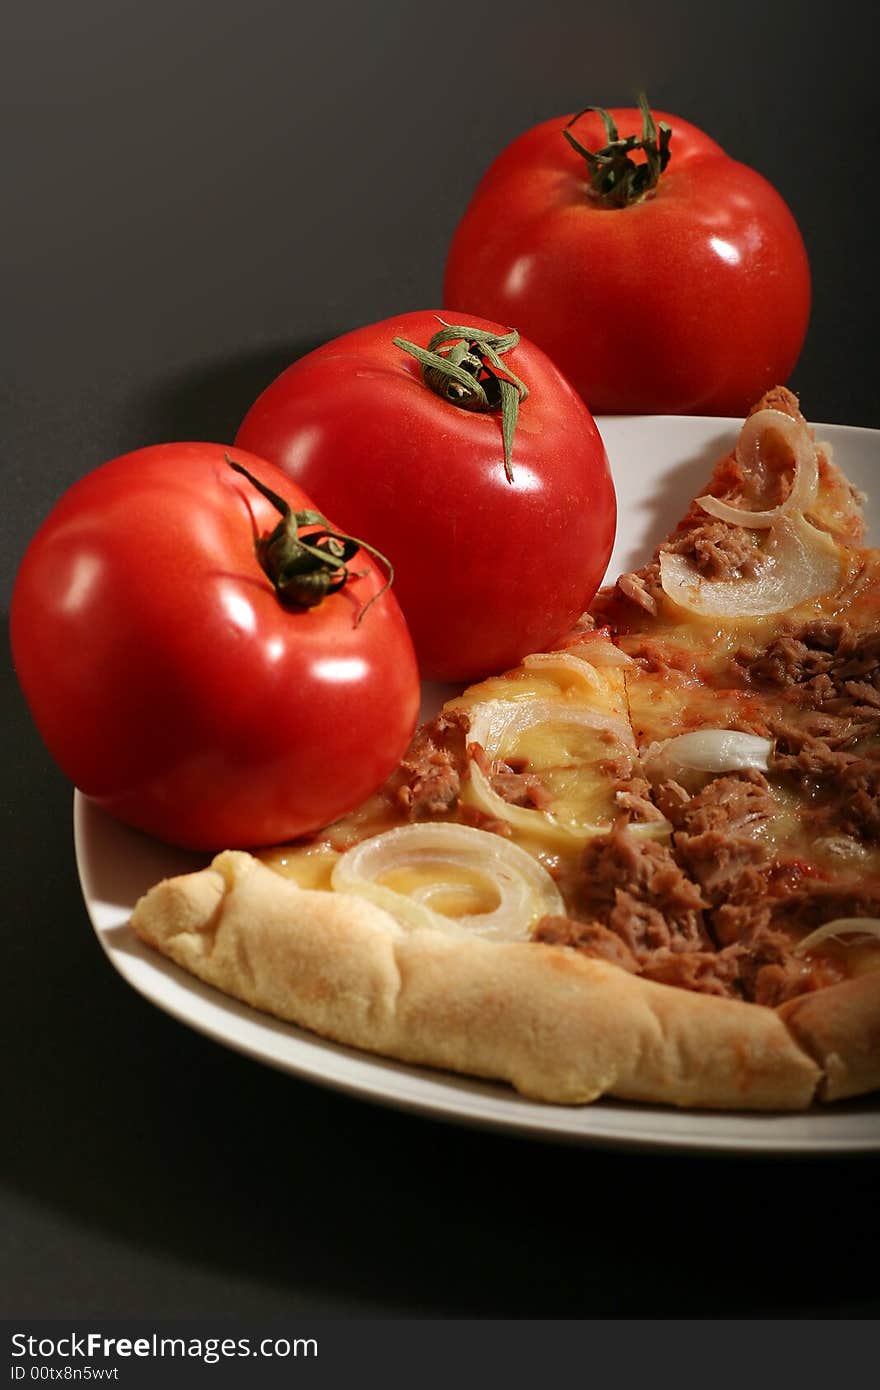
840	1029
558	1026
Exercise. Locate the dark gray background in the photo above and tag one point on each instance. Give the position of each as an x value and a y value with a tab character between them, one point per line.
199	192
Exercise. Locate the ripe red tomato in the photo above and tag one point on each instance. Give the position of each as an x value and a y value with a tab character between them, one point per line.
169	680
693	298
490	563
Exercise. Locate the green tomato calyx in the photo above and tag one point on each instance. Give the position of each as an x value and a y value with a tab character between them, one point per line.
617	180
464	366
304	569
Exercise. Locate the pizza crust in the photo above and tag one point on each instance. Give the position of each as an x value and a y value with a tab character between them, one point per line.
840	1028
557	1025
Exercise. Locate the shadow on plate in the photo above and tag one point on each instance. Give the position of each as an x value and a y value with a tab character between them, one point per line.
651	515
669	500
117	863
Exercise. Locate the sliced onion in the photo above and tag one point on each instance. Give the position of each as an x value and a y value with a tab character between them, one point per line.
493	724
844	847
573	668
841	926
709	750
798	563
525	890
804	484
600	651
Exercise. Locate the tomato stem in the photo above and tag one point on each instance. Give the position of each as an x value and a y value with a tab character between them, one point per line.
616	180
305	569
464	366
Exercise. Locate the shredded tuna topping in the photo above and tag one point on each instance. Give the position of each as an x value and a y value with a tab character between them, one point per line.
715	912
590	938
512	780
433	767
806	654
717	550
718	835
635	587
635	887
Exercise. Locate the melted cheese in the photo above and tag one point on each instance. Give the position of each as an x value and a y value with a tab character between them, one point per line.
578	767
464	890
310	866
571	760
603	691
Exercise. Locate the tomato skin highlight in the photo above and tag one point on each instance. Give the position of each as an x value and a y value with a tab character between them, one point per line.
695	300
169	682
485	570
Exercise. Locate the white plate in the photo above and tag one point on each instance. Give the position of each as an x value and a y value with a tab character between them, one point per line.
658	462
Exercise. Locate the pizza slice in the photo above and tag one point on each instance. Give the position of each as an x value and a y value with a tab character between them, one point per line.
647	865
754	697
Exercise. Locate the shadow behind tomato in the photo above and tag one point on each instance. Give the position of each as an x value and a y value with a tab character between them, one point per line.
205	398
